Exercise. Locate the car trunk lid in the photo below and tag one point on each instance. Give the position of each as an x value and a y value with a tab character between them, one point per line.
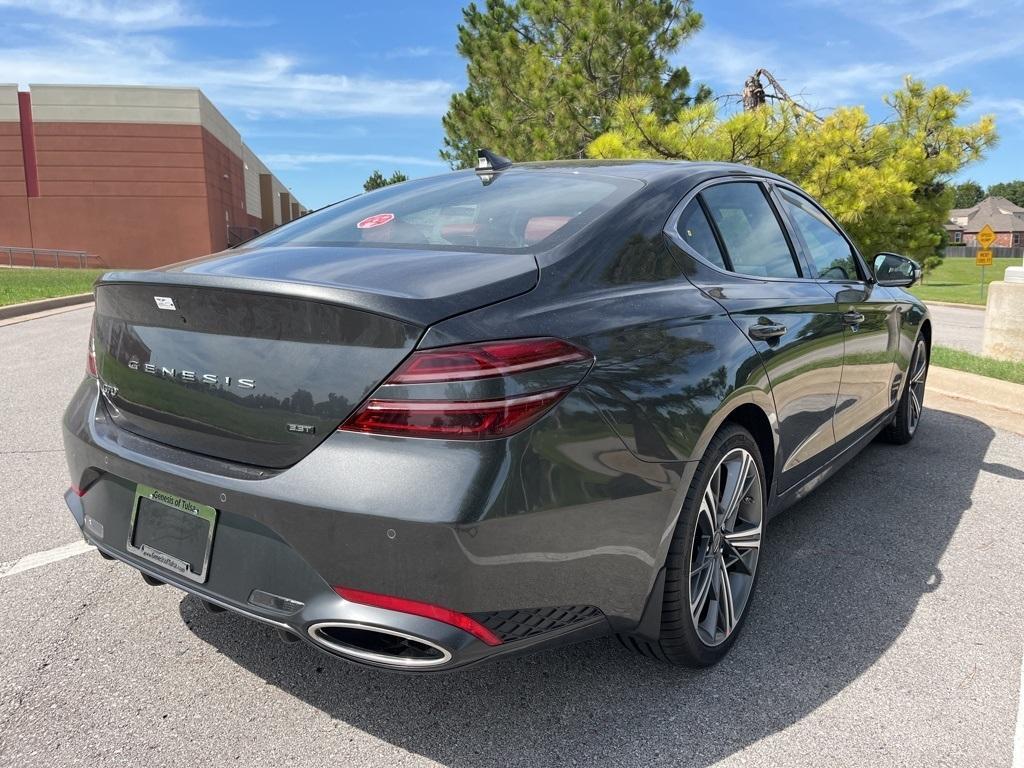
259	363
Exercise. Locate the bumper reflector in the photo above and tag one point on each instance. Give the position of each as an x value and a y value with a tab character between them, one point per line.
416	608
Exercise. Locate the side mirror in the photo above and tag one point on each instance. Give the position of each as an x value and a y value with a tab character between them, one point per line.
895	271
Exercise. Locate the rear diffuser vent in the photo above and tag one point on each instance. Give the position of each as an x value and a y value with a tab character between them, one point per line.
530	622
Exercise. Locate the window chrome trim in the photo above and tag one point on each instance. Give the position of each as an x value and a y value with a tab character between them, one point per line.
857	257
673	221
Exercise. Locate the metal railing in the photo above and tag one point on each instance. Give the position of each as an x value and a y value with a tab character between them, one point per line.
239	234
48	257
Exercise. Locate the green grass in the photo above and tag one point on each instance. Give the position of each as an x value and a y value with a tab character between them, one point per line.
958	280
18	285
983	366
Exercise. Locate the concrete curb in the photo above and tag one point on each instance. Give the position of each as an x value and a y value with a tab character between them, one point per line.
972	388
979	307
31	307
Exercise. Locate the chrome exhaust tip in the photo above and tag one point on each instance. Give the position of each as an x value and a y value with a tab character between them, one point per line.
377	645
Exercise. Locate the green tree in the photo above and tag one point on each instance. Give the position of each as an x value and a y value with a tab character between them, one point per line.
968	194
887	183
544	75
376	180
1011	190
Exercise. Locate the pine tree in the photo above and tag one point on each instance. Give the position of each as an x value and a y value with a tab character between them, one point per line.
967	194
544	75
377	180
886	183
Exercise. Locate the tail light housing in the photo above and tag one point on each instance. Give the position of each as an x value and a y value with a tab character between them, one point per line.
90	355
473	391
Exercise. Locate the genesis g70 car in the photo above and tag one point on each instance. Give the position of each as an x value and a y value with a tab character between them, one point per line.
495	410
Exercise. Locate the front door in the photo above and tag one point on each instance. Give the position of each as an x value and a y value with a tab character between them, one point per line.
869	315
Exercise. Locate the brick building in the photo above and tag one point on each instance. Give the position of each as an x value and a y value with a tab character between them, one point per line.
1005	218
139	176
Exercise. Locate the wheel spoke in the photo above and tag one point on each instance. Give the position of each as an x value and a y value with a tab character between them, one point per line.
709	504
726	607
707	514
699	592
748	538
919	370
738	482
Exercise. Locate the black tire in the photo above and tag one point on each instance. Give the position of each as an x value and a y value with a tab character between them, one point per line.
685	639
908	413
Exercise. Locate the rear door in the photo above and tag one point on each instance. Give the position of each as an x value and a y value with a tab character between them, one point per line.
789	317
870	316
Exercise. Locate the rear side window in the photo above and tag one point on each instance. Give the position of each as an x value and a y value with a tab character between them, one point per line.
515	210
693	227
829	250
750	230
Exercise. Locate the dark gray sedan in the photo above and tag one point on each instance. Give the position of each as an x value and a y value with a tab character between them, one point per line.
495	410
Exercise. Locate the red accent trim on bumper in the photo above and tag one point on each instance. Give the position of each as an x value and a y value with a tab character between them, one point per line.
416	608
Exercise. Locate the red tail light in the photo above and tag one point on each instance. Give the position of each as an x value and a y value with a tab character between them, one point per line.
472	419
427	610
479	361
90	357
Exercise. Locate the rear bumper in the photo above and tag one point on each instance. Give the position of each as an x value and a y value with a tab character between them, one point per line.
544	537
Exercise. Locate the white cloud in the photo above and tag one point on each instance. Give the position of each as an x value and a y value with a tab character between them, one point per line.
271	85
1006	109
123	14
942	39
725	61
304	160
411	52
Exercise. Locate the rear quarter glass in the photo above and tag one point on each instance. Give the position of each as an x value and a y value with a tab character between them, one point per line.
515	211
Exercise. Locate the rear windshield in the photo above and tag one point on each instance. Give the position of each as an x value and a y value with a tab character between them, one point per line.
516	210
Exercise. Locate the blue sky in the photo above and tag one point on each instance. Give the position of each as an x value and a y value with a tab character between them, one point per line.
325	93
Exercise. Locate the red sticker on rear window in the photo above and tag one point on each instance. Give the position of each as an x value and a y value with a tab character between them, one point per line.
376	220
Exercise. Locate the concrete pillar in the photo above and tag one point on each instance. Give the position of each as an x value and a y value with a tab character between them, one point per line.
266	202
286	207
1004	318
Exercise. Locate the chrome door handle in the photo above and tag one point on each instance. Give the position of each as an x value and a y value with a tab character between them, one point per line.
765	331
853	318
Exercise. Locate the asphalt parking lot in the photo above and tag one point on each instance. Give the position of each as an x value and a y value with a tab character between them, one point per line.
888	629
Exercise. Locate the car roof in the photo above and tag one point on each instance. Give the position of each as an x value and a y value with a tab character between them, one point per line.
644	170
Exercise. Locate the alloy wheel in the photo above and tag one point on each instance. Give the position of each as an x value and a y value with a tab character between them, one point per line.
918	374
726	545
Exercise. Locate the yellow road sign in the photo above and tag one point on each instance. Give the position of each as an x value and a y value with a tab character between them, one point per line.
983	258
986	237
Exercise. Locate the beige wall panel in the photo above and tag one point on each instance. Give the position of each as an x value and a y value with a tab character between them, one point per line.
212	120
120	104
9	103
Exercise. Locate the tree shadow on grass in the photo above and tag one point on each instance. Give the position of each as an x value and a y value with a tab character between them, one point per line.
842	574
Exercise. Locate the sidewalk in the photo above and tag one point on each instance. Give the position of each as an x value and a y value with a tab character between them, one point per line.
998	403
42	305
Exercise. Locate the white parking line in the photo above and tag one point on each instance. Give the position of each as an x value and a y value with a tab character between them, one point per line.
1018	737
37	559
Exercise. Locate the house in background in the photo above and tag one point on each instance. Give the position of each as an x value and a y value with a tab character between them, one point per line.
1005	218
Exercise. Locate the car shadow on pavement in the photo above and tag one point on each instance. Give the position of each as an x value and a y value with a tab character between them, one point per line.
843	572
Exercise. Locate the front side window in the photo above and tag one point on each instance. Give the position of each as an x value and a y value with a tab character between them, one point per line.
831	253
516	210
750	230
693	227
